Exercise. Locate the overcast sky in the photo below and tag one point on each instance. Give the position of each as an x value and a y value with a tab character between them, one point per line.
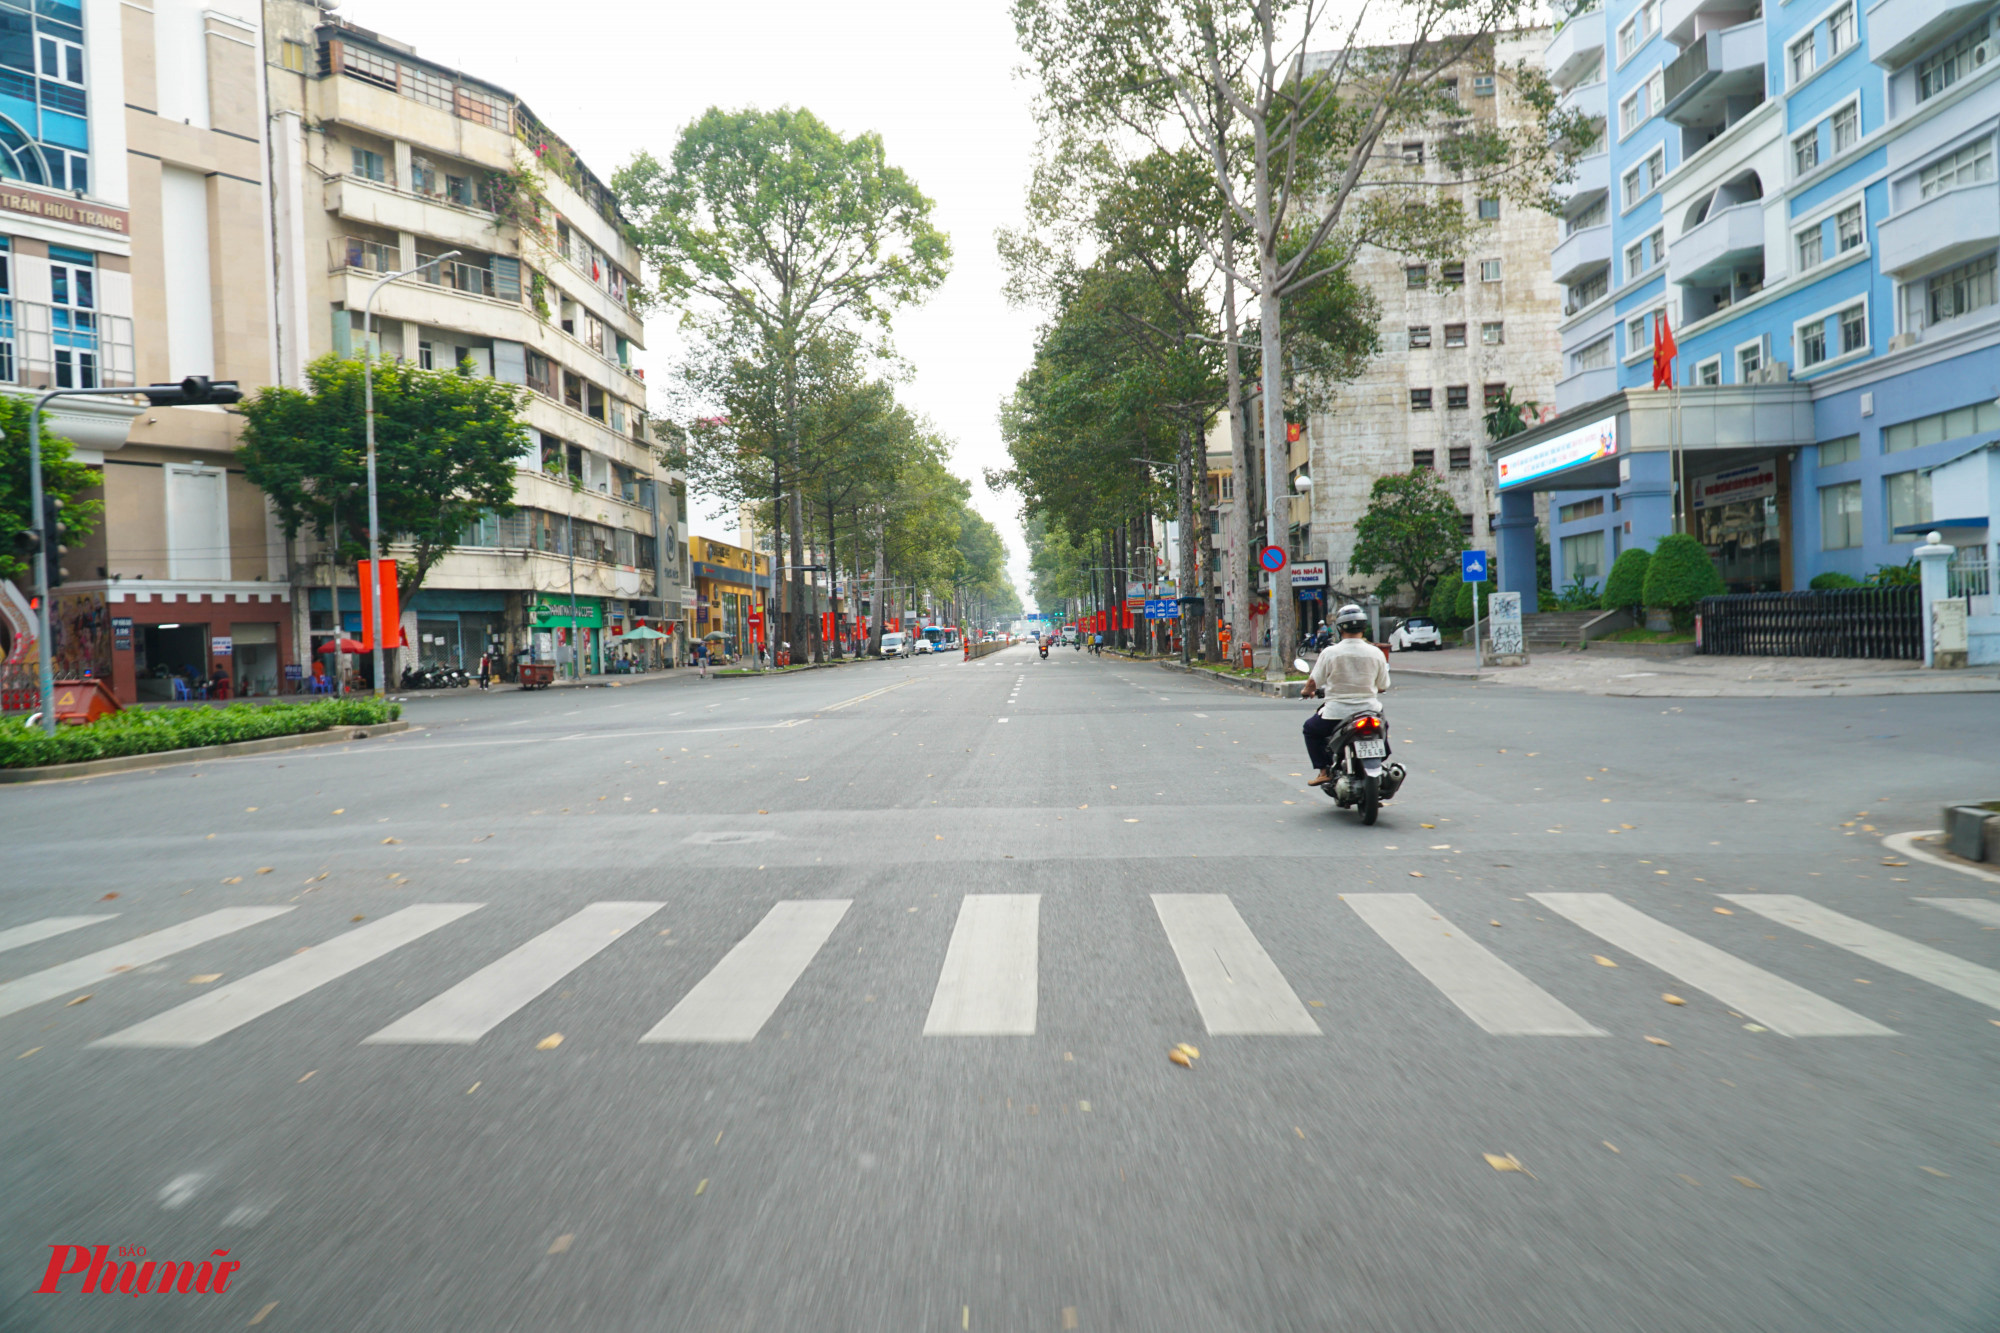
935	80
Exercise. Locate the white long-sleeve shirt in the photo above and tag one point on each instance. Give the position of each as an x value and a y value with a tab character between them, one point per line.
1350	674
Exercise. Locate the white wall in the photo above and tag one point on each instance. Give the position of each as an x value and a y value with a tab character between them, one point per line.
184	245
180	65
197	523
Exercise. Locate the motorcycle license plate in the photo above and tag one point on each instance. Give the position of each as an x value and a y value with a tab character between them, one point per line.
1370	749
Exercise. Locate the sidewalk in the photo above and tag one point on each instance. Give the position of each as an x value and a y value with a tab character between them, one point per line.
1700	677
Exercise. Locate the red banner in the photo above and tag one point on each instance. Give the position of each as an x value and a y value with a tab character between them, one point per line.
392	613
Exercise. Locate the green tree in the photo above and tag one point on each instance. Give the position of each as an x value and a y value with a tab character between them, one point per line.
1625	585
768	229
62	477
1410	534
1444	603
1509	415
1679	575
446	446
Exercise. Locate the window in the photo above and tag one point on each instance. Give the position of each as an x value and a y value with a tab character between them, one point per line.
1847	228
1423	458
1454	273
459	190
1656	91
1489	270
1588	291
369	165
1840	517
1582	509
1413	154
1492	525
1628	38
1482	85
1846	124
1465	528
73	316
1457	397
1454	335
1843	450
1803	58
1807	244
62	60
1967	166
1840	31
1709	372
1420	400
1632	187
1420	335
1461	460
1493	393
1853	329
1656	169
1812	343
1594	215
1492	333
1450	89
1416	275
1941	426
1948	66
1805	152
1594	357
1956	291
1638	333
1907	497
1583	555
1631	112
1489	210
292	56
1749	361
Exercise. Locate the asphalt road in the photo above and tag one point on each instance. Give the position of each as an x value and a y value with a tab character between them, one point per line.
880	1039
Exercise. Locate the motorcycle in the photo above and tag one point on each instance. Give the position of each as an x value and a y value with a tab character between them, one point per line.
1043	646
1363	774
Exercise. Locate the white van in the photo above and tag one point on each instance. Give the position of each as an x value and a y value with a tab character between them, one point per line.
892	644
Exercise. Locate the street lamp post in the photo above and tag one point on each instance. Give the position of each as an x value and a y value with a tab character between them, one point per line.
368	409
1303	484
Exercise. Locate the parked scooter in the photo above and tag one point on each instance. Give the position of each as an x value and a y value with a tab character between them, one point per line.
1363	774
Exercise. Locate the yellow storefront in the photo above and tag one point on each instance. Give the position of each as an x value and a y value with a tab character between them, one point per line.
730	588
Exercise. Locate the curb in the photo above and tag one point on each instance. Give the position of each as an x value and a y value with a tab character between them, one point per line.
1905	844
126	763
1288	690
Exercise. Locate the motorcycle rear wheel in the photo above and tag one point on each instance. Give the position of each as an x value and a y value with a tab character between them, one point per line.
1371	799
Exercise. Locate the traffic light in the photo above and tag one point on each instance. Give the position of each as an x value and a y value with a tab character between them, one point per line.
52	534
194	391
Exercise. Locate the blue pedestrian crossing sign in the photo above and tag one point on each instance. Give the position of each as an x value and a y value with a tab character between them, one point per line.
1472	566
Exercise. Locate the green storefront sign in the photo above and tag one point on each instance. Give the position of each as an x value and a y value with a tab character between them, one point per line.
585	613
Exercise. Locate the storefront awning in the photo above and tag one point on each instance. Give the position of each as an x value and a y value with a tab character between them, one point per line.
1584	448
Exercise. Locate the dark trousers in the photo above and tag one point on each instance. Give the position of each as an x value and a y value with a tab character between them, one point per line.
1319	733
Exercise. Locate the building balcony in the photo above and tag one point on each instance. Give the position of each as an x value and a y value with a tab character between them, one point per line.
1589	99
1593	181
1576	49
1900	30
1681	21
378	204
1586	386
1709	253
1950	226
1581	253
1718	78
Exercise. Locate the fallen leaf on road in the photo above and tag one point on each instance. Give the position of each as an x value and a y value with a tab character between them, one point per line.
550	1042
1746	1182
249	809
1187	1050
561	1244
1673	999
1492	923
1507	1163
1887	862
1659	1041
25	1054
461	860
1416	874
107	897
1934	1171
204	978
264	870
1085	806
1602	961
258	1318
1755	1027
1175	1056
1429	826
1725	911
308	1074
1609	1144
474	1088
699	1188
80	999
357	917
340	812
1688	1178
387	841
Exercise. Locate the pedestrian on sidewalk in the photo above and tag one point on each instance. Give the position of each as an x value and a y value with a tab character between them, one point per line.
486	670
701	658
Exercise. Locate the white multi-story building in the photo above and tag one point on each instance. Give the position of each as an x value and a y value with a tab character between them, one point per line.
382	160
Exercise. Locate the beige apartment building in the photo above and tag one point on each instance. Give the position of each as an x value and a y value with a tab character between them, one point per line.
133	250
383	160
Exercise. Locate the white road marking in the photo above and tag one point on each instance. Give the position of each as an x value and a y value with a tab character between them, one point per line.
496	992
1003	719
1491	993
860	698
743	990
97	968
203	1019
991	972
47	929
1978	909
1235	984
1776	1003
1878	946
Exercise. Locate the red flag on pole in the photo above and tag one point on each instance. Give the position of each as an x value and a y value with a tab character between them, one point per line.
1664	352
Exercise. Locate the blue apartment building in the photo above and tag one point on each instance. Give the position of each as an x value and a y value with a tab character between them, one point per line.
1806	192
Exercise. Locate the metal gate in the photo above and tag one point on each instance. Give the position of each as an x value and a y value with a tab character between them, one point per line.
1839	622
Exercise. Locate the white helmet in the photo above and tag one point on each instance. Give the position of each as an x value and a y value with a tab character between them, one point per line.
1350	619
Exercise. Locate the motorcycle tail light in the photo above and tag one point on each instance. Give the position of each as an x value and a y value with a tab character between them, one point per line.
1368	724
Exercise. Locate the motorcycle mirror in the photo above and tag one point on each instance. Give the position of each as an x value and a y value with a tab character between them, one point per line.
1300	664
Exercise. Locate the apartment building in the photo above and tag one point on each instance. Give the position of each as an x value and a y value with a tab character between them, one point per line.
732	585
1806	196
133	250
1454	336
383	160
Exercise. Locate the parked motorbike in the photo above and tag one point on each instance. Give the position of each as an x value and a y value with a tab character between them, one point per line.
1363	774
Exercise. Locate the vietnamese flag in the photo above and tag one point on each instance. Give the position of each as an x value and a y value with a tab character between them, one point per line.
1664	353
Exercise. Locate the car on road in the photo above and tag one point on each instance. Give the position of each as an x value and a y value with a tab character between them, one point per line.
893	644
923	647
1416	633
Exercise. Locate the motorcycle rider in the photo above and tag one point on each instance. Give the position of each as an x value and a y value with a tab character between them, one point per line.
1351	675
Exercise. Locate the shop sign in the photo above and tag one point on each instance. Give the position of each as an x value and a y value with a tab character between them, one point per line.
1309	574
1755	481
566	615
58	209
222	645
293	671
1585	444
121	633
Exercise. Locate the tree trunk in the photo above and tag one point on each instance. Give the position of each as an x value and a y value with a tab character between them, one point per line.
1183	469
880	604
1277	507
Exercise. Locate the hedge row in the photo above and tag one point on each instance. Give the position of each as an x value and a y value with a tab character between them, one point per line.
152	730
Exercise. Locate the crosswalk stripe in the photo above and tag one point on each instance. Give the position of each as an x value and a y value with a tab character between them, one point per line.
990	978
493	994
1237	987
1878	946
97	968
47	929
741	993
1978	909
227	1008
1491	993
1779	1005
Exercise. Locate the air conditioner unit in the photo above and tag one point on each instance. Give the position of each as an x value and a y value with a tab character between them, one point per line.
1984	52
1902	340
